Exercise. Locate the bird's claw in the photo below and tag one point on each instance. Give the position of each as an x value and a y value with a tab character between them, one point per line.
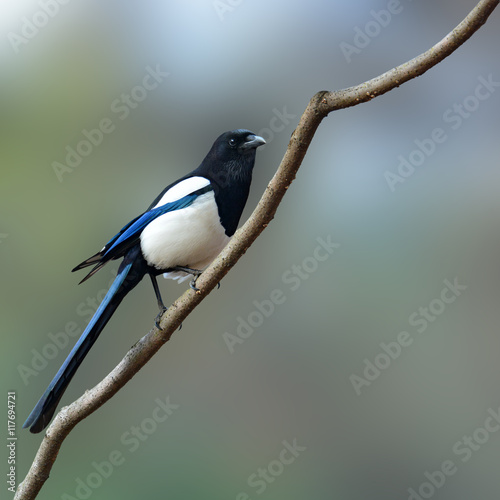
192	284
158	317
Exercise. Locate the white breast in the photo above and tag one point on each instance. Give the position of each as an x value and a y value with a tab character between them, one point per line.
190	237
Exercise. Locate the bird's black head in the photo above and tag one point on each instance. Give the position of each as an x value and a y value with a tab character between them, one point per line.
232	157
236	143
228	166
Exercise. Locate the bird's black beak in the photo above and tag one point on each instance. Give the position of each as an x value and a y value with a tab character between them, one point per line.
253	141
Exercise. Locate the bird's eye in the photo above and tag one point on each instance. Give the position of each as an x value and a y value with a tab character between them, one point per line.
232	142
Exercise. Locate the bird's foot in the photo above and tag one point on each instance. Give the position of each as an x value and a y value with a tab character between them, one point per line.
192	284
195	272
158	317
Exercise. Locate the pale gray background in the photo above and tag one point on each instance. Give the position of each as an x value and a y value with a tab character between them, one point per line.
290	378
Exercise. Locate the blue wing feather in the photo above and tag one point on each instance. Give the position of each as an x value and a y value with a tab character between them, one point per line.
132	231
129	235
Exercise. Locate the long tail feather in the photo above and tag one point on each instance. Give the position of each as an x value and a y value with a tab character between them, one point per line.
41	415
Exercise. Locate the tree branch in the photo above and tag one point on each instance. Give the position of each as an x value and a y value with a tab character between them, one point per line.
318	108
351	96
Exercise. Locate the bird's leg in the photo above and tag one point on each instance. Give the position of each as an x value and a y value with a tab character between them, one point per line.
161	305
195	272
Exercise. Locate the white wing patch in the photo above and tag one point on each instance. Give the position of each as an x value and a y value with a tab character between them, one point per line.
190	237
182	189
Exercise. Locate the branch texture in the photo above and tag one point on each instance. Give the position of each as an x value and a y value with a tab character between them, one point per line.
318	108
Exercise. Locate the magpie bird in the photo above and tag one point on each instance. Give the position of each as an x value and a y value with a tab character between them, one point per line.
180	233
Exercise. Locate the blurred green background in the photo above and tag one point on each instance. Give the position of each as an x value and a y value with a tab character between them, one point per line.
240	64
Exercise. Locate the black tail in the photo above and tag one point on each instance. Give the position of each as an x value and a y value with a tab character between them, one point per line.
127	278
